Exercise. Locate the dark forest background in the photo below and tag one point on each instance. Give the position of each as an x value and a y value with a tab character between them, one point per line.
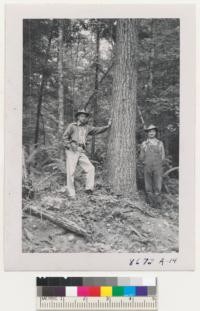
126	70
68	64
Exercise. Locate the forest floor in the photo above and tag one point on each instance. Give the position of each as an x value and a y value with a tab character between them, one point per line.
113	224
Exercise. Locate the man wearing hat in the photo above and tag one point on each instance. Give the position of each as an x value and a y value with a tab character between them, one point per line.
152	154
75	138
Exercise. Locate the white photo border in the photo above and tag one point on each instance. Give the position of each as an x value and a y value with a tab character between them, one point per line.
14	259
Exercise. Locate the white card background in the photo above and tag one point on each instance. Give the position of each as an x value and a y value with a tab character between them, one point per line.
177	290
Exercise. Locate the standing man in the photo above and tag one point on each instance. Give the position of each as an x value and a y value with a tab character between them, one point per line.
75	143
152	155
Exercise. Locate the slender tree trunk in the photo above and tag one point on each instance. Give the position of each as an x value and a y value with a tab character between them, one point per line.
152	55
96	88
68	104
42	86
75	63
43	129
24	167
60	81
43	82
121	157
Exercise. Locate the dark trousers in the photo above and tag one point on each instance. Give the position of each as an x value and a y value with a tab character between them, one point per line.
153	179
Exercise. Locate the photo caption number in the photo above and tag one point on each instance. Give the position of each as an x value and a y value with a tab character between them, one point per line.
149	261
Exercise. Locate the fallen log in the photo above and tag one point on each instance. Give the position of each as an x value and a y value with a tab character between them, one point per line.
57	220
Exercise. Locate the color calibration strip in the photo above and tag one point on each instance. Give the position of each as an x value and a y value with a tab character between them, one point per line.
96	293
95	281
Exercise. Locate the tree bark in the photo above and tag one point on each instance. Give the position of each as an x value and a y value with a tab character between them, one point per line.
24	167
39	106
42	86
121	156
75	63
59	221
152	55
96	88
60	81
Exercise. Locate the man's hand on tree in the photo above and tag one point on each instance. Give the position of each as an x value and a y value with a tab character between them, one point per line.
109	123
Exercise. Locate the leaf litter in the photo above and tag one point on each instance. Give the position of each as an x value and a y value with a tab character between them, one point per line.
113	224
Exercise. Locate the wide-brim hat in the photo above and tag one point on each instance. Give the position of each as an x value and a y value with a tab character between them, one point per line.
82	111
151	127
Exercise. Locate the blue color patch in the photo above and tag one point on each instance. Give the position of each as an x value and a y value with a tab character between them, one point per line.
130	291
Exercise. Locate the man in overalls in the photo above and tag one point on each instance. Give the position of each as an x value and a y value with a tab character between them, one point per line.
75	143
152	155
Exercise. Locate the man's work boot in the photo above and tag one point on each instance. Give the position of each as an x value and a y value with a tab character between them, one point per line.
158	200
149	198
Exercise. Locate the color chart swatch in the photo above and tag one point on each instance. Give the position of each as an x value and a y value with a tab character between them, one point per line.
95	291
99	293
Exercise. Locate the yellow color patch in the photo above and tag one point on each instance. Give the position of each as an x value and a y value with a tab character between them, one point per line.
106	291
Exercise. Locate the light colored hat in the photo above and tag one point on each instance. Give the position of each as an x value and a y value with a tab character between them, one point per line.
82	111
151	127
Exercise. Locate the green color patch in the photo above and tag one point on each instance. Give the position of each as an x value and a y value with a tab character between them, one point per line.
118	291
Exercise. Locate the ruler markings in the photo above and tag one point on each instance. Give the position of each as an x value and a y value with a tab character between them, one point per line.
111	303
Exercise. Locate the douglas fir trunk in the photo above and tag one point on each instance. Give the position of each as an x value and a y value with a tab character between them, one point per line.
121	158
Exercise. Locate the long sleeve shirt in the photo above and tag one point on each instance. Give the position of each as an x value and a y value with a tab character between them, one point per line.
78	133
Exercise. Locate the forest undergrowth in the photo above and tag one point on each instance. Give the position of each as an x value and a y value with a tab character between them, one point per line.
110	222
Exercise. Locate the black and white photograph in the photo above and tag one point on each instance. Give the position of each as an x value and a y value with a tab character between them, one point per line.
100	137
100	145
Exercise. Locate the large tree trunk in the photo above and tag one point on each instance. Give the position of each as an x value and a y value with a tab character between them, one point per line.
121	157
96	87
60	81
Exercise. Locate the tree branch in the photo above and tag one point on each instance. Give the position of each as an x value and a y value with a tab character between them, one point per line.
100	82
